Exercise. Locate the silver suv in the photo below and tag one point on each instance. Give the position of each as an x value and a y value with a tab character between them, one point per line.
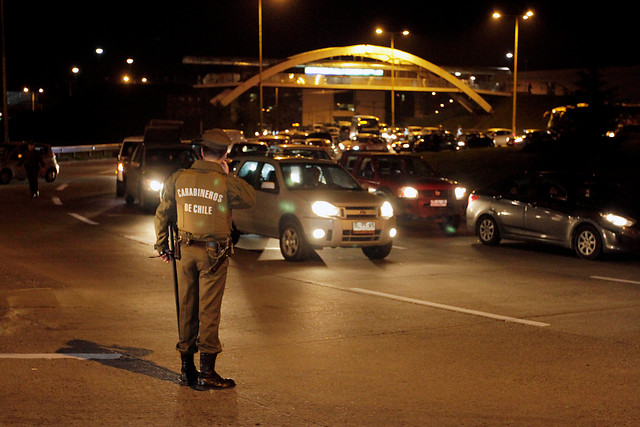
310	204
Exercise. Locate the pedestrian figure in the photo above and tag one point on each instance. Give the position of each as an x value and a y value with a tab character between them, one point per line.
199	201
32	161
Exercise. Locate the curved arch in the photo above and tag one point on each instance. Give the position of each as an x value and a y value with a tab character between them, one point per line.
369	51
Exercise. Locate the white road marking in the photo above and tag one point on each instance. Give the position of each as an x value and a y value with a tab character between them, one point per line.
450	307
82	356
56	201
62	187
613	279
83	219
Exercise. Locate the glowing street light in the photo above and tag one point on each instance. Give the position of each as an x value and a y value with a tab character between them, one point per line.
33	96
380	31
526	16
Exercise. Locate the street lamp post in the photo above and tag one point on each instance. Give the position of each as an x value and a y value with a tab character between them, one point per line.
260	64
393	60
527	15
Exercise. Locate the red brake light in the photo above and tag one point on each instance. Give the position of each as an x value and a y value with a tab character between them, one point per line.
473	197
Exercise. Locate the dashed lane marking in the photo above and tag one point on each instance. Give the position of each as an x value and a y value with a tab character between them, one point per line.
81	356
613	279
450	307
83	219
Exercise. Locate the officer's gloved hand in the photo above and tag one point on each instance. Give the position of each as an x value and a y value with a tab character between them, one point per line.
166	255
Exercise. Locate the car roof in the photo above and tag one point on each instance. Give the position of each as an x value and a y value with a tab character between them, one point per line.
301	146
379	154
286	159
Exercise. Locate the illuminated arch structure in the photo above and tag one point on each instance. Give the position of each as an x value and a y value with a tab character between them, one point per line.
425	76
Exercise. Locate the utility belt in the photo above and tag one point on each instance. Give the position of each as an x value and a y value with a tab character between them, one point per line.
217	249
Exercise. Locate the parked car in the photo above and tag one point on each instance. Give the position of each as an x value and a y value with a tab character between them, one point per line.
435	142
309	204
325	143
235	135
475	140
127	147
12	167
501	137
365	142
583	212
300	150
411	185
150	165
275	139
247	148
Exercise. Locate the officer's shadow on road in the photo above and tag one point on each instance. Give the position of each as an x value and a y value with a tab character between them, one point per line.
126	358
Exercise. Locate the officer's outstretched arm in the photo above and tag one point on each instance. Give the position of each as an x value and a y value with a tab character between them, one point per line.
241	194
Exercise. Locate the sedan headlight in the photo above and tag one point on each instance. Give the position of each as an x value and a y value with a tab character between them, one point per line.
460	193
325	209
386	210
408	192
617	220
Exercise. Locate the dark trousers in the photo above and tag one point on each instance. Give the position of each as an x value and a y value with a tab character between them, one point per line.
200	297
32	177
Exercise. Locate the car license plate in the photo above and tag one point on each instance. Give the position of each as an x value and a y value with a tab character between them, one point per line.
364	226
438	203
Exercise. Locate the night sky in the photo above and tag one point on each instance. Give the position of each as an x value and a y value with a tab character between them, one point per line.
44	39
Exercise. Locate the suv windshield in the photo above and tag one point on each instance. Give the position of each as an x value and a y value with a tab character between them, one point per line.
305	176
397	165
179	158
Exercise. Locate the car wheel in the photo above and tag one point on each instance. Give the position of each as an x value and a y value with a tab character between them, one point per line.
50	175
587	242
5	176
377	252
292	244
487	231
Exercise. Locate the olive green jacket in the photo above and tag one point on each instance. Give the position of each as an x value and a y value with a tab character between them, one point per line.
199	200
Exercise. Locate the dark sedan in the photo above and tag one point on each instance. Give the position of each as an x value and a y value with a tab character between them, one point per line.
584	212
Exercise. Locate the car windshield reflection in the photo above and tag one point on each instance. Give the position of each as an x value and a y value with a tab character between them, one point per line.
302	176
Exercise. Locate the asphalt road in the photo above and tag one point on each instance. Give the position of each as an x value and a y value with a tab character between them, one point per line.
442	332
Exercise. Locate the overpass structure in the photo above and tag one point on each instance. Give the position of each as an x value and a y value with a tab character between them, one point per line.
335	68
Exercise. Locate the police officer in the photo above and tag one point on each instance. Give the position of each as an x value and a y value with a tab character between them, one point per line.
199	201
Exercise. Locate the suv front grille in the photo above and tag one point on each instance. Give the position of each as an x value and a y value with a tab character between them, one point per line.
360	212
442	194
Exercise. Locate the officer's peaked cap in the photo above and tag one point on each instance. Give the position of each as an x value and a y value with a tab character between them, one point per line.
216	139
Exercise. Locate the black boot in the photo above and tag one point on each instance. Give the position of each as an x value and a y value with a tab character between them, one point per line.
188	373
208	377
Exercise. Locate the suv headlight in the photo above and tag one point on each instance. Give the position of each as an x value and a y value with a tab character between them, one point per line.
386	210
460	193
617	220
325	209
408	192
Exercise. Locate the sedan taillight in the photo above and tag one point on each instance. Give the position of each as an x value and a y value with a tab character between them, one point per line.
473	197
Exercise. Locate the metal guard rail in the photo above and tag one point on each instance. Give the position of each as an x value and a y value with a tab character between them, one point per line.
84	152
